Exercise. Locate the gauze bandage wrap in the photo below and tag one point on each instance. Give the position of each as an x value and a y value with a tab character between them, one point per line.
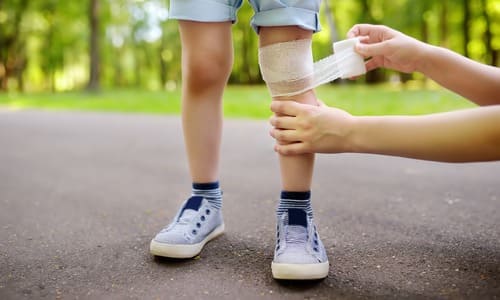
288	69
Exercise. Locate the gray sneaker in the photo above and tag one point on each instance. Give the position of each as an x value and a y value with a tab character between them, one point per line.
299	252
196	223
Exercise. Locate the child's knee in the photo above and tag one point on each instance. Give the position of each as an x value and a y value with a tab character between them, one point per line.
207	71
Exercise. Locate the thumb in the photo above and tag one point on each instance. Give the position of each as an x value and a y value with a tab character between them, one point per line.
370	50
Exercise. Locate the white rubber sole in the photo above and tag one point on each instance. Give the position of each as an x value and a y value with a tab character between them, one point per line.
300	271
183	251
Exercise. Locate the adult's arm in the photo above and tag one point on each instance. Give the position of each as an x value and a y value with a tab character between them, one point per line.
459	136
392	49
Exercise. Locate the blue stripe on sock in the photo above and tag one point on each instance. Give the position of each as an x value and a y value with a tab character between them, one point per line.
210	191
296	195
206	186
295	200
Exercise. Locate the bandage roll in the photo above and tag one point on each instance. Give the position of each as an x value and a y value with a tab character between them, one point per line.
349	62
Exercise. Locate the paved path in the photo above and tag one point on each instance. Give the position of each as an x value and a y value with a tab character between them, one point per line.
81	194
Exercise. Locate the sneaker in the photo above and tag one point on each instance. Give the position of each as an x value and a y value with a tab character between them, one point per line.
299	253
196	223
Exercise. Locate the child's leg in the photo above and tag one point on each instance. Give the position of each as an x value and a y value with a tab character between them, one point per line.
299	252
296	171
207	57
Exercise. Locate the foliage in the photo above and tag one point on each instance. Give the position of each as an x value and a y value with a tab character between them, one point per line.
44	44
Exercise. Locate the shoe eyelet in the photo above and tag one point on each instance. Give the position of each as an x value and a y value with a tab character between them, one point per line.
316	242
278	241
277	247
207	211
202	218
194	231
315	234
278	234
315	249
198	225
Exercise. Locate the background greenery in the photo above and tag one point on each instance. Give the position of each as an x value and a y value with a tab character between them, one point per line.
51	51
247	101
52	45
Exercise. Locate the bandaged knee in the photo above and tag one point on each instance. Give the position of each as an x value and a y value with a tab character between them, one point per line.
288	68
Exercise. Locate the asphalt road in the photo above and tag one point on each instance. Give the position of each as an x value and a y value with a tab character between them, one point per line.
82	194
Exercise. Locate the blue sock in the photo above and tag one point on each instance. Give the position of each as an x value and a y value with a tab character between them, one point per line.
300	200
210	191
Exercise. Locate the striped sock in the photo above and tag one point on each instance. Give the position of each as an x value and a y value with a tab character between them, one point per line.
210	191
301	200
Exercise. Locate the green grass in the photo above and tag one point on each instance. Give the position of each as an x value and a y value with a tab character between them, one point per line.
247	101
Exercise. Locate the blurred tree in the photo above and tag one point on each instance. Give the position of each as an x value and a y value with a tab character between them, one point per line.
465	26
52	45
330	17
491	54
246	66
94	53
12	44
443	22
377	75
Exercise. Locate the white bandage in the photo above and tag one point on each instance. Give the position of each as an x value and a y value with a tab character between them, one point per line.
288	69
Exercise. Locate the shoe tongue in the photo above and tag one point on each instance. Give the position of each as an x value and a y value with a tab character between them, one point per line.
297	217
191	207
193	203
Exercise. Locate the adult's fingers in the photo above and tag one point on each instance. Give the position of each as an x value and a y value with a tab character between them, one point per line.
373	63
375	33
370	50
291	149
284	136
289	108
283	122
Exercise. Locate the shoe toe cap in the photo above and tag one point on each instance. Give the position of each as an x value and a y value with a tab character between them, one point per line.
171	237
296	257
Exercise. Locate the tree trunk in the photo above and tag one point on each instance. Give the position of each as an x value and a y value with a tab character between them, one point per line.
465	26
331	22
377	75
488	36
19	74
163	64
424	28
94	75
9	46
444	23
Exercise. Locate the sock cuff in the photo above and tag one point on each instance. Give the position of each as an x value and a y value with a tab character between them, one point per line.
296	195
210	191
206	185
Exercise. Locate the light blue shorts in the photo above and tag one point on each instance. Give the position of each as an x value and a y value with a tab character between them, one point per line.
302	13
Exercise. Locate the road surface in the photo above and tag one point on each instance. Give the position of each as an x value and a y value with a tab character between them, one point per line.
82	194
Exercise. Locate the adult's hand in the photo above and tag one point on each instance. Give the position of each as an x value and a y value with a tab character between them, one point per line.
302	128
388	48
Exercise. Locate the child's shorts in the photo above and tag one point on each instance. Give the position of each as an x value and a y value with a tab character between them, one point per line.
302	13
